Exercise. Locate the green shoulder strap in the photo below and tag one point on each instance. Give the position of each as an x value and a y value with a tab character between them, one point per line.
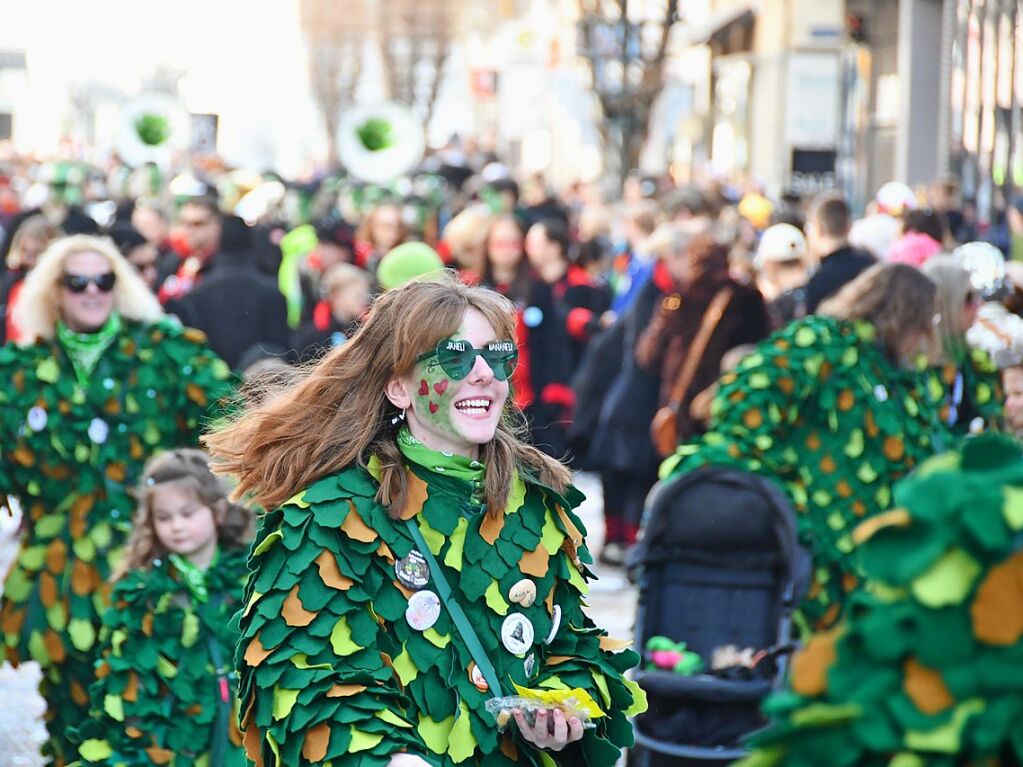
455	611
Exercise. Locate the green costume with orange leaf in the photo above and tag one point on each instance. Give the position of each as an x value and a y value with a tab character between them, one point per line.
71	448
165	692
926	669
333	674
820	408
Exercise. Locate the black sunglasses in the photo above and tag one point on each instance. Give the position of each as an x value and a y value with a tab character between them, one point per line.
79	283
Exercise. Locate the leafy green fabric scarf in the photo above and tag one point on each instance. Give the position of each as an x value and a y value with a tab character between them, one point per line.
457	466
85	349
194	576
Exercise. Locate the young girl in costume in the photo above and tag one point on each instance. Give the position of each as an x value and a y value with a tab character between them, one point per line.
419	560
165	687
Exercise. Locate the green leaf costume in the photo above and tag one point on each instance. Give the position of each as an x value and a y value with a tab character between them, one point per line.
927	669
820	408
165	692
333	674
971	393
71	453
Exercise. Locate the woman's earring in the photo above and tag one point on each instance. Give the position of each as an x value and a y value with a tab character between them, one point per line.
400	418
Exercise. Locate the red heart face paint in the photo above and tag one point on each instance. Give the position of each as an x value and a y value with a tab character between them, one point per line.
424	388
434	407
441	386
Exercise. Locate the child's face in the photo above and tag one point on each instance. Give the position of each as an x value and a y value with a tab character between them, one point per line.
183	524
1012	380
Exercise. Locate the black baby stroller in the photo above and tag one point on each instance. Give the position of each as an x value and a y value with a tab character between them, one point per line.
719	564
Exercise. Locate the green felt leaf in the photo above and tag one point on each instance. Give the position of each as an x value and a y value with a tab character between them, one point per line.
50	526
435	734
495	601
283	702
639	704
56	617
114	706
434	539
32	557
461	743
37	649
297	500
82	633
48	371
189	629
84	549
948	581
405	668
166	668
391	718
267	543
17	587
552	536
101	535
363	741
341	639
434	638
95	750
516	495
453	557
1012	509
945	739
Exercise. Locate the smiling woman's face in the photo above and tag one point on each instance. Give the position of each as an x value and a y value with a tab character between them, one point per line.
449	415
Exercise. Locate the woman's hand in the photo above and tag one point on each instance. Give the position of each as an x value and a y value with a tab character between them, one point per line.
408	760
545	734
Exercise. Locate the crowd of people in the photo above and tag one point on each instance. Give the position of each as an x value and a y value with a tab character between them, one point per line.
672	328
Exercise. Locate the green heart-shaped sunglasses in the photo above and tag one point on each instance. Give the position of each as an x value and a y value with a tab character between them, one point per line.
457	357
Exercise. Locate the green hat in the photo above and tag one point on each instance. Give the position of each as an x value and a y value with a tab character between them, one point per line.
406	262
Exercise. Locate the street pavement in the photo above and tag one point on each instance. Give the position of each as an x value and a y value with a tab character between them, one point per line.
611	605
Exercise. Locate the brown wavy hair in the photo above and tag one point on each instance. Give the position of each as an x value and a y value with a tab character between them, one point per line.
897	299
337	414
191	469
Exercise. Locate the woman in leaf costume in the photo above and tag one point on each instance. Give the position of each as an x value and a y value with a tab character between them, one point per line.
393	474
103	384
968	379
832	408
166	689
925	671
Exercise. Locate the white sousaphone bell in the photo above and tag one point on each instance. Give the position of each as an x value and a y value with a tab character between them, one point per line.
152	127
379	143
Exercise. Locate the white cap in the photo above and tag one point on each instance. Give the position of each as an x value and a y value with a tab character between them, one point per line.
781	242
895	198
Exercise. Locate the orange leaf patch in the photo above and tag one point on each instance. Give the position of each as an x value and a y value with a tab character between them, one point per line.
926	688
330	573
810	665
535	563
417	494
317	740
355	528
997	610
255	653
293	611
345	690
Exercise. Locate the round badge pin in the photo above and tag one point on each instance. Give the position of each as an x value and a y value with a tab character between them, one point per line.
517	634
412	571
423	610
98	430
532	316
555	624
529	664
880	393
523	593
37	418
477	678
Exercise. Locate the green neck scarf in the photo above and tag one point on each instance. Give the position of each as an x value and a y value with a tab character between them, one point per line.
456	466
194	576
85	349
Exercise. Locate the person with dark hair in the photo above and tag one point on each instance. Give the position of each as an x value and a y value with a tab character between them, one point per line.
237	306
346	294
923	236
705	297
579	300
197	243
541	378
140	253
835	409
827	234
